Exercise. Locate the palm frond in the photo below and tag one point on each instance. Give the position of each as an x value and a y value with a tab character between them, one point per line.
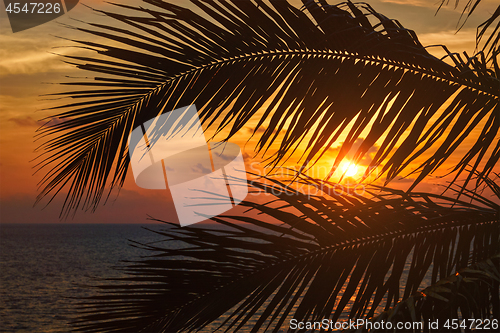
300	256
310	76
470	297
492	43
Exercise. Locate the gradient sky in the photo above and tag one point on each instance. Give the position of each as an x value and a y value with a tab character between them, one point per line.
28	66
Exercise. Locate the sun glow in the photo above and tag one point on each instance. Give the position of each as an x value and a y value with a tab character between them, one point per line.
349	169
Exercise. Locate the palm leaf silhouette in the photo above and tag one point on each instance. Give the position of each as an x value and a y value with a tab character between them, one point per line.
472	292
491	45
298	255
310	75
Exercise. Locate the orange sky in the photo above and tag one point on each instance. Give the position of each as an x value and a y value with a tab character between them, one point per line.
27	67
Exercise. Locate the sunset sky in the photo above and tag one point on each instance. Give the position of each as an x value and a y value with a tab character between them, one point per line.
28	66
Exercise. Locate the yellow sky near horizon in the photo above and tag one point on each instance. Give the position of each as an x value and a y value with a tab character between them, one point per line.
29	67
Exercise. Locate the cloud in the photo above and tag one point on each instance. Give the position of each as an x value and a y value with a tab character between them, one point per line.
403	180
56	121
262	129
25	121
199	168
418	3
225	157
365	160
29	63
453	39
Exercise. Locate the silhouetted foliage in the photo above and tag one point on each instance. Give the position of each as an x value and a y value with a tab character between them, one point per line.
470	294
297	256
491	45
310	76
310	73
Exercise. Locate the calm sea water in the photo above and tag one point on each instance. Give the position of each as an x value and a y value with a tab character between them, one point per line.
41	266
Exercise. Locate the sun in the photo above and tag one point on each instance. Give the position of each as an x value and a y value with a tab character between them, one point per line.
349	169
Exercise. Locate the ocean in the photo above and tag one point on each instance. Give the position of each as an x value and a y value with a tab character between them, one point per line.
42	266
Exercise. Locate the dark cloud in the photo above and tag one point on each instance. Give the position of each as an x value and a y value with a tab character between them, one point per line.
365	160
225	157
262	129
56	121
24	121
29	121
246	155
199	168
403	180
